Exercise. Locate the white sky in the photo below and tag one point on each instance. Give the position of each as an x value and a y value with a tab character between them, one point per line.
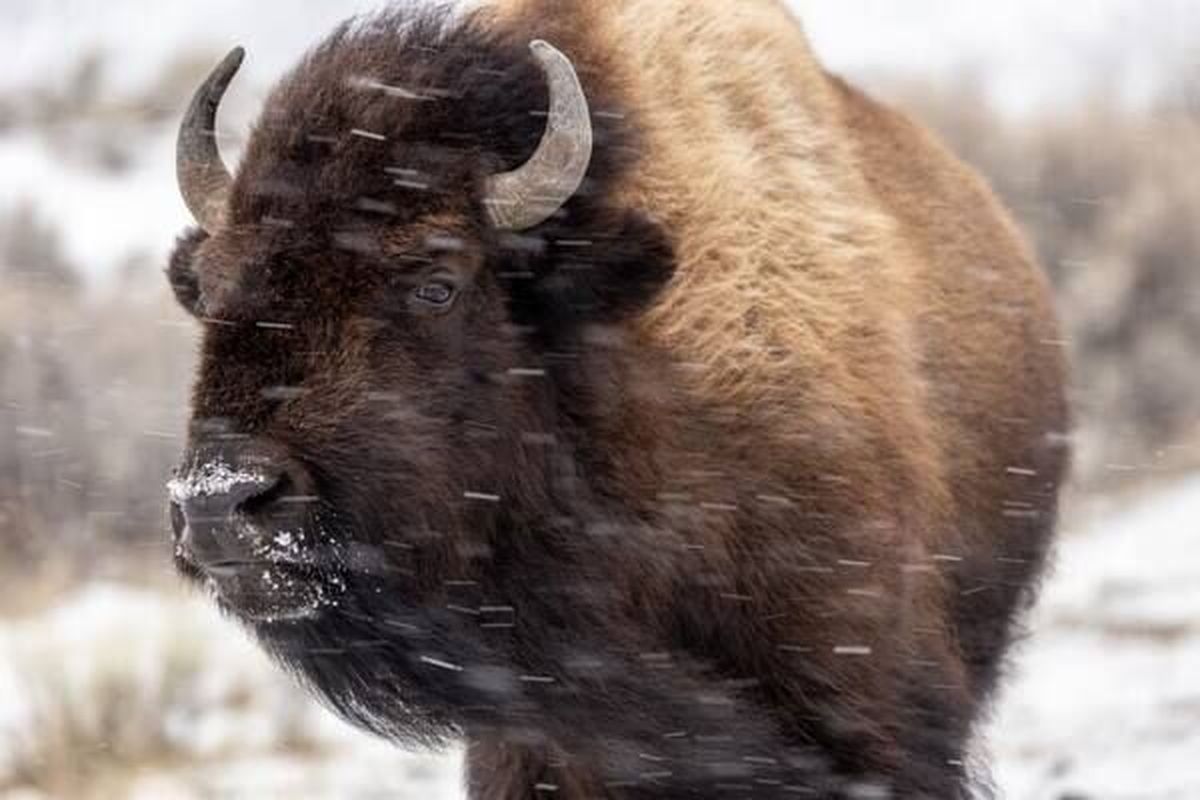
1035	49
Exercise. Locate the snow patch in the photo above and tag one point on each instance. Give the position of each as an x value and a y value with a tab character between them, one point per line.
1105	696
169	667
211	479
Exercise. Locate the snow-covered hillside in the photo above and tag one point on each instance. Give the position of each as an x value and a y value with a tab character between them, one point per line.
175	702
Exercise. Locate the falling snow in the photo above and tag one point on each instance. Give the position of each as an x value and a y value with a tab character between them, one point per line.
1103	701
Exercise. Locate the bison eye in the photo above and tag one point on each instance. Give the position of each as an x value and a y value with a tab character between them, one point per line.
435	295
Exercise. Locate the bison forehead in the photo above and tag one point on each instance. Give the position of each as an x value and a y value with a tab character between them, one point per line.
280	380
271	274
389	116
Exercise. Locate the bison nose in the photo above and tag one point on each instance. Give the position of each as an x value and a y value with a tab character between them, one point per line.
215	511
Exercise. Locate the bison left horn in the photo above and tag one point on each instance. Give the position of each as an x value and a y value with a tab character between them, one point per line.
534	192
204	180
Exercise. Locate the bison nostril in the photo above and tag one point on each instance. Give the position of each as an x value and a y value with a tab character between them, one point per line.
178	520
262	502
224	509
207	504
257	489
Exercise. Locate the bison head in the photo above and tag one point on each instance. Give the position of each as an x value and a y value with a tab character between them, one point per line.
410	293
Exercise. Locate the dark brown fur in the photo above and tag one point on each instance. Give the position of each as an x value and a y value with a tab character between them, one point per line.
786	570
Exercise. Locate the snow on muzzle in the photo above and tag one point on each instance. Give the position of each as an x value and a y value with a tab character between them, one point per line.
243	520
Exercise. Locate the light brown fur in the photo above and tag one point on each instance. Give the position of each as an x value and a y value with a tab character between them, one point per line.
838	270
857	298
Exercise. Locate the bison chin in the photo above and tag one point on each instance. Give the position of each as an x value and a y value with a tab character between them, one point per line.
349	618
271	575
402	672
272	593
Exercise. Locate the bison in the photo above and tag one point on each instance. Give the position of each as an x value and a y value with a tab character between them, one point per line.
608	386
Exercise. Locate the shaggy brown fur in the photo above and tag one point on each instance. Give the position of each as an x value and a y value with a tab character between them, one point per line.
730	480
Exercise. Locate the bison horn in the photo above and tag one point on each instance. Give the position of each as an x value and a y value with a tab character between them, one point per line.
204	180
532	193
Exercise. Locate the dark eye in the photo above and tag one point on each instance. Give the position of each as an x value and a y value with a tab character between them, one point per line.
436	295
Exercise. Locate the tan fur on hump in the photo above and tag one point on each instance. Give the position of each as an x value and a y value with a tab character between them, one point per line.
829	251
779	277
777	248
792	292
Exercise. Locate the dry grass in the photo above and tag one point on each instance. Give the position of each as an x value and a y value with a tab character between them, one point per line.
92	402
81	740
152	683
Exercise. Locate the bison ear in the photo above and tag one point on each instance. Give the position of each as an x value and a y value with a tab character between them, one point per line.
181	272
631	268
604	277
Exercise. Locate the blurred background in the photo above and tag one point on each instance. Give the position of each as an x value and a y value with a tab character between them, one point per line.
114	683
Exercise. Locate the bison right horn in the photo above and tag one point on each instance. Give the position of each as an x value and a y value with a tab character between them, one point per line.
204	180
534	192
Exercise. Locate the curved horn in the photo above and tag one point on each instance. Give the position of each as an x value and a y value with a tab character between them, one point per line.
532	193
204	180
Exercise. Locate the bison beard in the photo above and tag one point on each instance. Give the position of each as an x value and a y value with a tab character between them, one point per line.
681	489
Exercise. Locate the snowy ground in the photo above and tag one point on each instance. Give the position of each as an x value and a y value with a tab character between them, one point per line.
1106	698
124	693
167	701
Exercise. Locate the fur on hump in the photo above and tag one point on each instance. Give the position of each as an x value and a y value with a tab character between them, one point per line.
780	245
792	285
